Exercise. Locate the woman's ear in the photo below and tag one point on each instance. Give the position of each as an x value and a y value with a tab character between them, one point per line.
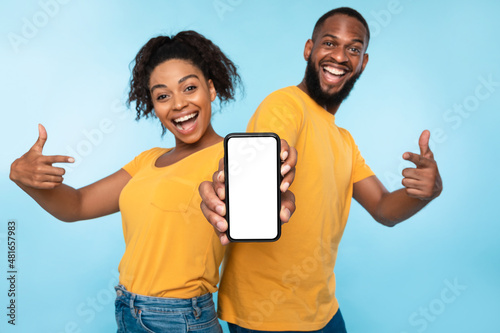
211	89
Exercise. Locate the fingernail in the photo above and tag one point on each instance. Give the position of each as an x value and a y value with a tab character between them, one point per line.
287	214
284	186
224	240
284	155
219	176
220	210
220	193
220	226
71	160
284	169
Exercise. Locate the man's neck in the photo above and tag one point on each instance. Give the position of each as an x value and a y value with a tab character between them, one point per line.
302	86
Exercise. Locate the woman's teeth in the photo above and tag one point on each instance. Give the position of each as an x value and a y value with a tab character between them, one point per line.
179	121
186	117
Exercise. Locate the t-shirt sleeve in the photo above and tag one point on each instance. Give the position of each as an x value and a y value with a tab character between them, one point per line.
361	170
278	113
138	162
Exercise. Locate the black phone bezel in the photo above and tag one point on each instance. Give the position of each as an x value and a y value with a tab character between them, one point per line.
278	191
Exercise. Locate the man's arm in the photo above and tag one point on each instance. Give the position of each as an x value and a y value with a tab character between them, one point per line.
281	115
421	185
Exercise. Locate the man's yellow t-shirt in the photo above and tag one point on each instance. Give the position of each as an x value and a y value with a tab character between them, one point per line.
171	249
289	284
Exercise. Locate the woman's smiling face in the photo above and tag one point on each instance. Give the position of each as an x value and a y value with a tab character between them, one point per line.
182	98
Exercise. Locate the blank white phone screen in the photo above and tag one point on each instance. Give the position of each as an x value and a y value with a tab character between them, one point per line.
253	187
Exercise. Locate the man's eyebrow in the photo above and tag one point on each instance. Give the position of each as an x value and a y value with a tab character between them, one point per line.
156	86
358	41
335	37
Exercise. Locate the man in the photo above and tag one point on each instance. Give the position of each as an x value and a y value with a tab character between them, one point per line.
289	285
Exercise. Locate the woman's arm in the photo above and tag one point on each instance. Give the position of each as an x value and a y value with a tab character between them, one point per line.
33	172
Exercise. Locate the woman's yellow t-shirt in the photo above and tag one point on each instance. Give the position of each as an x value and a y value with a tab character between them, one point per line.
171	249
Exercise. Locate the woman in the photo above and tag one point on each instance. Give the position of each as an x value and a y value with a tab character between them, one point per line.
172	256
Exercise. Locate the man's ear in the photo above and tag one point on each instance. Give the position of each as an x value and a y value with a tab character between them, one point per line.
308	49
365	61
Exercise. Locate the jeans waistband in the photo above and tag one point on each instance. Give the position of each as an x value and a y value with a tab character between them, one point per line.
162	302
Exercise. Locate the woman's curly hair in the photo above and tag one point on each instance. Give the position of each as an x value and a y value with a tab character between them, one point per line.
186	45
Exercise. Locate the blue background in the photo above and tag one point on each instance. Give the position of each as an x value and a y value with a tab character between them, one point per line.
66	65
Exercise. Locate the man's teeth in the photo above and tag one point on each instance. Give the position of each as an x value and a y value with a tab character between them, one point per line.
187	117
334	71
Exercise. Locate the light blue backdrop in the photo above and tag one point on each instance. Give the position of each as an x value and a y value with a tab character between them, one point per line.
433	65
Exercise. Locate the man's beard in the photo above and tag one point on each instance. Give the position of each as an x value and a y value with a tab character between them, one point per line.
319	96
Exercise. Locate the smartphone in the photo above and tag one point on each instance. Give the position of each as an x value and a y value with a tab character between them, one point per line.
253	199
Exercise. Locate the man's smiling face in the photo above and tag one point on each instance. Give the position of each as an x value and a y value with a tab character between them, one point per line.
335	59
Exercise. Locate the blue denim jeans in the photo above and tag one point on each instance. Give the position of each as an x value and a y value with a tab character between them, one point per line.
336	325
137	313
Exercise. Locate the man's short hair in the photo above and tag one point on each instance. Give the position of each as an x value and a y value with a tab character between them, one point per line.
344	11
